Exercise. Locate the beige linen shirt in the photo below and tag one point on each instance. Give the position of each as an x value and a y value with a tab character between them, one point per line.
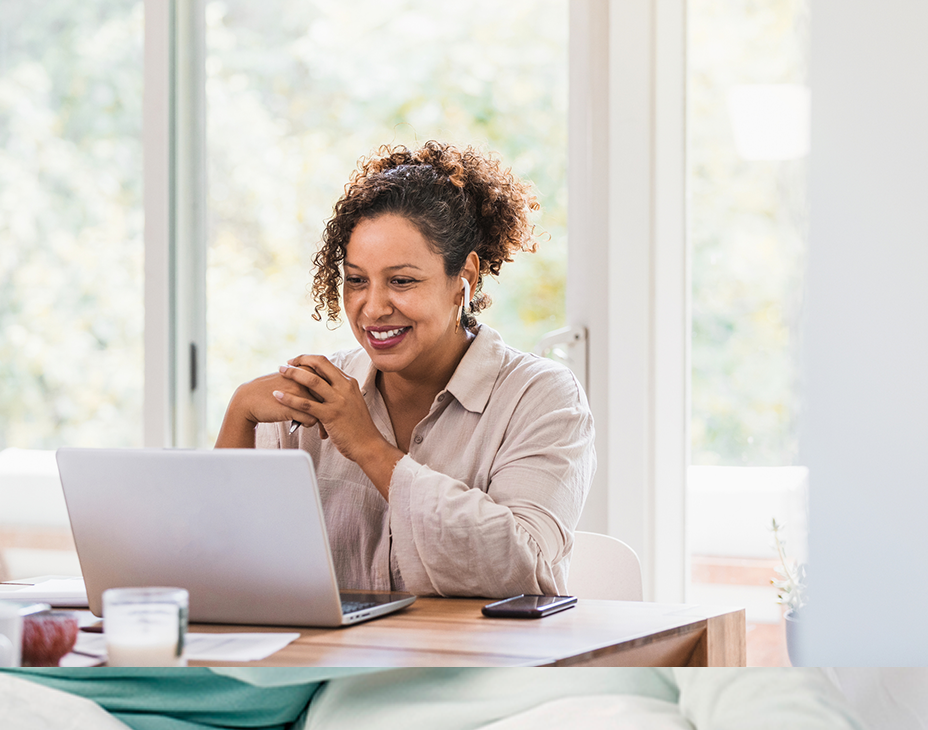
486	501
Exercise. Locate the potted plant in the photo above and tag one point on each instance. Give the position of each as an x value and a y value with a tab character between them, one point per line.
790	583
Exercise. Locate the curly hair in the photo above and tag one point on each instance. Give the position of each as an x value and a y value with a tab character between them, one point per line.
459	199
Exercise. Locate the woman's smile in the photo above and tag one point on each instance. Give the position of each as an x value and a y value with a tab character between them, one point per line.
383	338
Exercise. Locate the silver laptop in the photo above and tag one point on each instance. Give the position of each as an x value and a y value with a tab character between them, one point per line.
241	529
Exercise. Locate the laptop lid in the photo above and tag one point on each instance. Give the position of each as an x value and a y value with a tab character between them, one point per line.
241	529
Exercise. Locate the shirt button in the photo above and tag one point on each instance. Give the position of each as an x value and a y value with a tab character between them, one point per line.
441	397
418	439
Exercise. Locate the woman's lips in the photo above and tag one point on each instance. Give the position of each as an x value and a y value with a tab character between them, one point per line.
383	338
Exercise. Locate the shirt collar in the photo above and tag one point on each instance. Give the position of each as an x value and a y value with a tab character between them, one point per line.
476	374
473	379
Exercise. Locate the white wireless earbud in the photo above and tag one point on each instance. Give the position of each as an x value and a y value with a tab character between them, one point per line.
464	302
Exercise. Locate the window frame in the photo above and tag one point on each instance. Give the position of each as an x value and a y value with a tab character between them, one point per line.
174	175
628	275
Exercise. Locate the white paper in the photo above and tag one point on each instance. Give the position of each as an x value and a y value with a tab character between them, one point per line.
236	647
201	647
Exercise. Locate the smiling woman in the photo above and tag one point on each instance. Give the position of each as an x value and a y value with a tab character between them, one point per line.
448	463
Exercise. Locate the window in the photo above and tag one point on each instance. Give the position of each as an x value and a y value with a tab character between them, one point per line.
71	303
748	137
297	91
294	92
70	224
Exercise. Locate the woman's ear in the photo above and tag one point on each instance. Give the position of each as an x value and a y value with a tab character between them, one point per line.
471	270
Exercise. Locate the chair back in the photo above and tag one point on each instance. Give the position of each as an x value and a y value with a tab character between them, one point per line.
603	567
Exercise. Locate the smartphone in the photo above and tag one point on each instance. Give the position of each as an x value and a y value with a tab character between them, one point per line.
523	606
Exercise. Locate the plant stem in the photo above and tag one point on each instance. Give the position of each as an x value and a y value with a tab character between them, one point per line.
789	574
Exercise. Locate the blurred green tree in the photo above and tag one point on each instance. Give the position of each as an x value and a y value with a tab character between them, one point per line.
747	235
296	92
70	223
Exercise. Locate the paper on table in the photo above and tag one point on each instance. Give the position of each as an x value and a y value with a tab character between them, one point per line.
65	592
206	647
236	647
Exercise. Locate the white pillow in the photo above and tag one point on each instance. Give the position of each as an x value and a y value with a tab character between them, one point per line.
764	699
894	698
597	712
26	705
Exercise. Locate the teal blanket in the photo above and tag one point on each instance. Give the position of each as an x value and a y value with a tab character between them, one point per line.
193	698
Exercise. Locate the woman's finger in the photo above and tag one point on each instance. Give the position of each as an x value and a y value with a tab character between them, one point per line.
301	407
308	379
308	362
321	366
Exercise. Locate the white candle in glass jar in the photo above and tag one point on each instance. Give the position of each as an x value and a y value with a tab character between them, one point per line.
144	654
145	627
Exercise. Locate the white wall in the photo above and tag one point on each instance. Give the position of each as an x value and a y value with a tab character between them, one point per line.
865	343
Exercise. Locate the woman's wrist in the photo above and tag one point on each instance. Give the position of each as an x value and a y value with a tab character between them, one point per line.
238	428
378	461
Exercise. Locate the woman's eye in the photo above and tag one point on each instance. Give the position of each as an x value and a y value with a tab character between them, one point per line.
402	281
354	280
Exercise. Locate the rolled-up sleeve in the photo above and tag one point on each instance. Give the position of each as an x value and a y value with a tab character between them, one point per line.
511	533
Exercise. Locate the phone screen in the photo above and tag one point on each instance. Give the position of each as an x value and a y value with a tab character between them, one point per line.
528	606
527	603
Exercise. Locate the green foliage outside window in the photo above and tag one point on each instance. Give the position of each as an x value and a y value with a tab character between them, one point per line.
748	223
296	91
71	254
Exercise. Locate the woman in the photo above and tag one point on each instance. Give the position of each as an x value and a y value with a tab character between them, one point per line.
448	463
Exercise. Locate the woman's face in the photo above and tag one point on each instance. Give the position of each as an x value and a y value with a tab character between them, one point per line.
401	305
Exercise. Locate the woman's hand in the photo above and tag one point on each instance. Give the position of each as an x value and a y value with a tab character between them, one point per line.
254	403
336	403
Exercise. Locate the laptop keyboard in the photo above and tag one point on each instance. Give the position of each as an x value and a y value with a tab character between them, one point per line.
352	606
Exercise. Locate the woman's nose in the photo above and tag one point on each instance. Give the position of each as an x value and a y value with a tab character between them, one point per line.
377	303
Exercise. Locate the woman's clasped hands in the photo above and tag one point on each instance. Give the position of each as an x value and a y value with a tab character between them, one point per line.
333	400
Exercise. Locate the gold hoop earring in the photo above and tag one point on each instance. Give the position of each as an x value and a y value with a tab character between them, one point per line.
465	300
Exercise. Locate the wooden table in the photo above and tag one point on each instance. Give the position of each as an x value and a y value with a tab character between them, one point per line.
453	632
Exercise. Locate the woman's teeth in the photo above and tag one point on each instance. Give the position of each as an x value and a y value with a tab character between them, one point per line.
387	334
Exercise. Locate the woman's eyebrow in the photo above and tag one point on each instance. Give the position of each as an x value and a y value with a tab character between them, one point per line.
349	265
